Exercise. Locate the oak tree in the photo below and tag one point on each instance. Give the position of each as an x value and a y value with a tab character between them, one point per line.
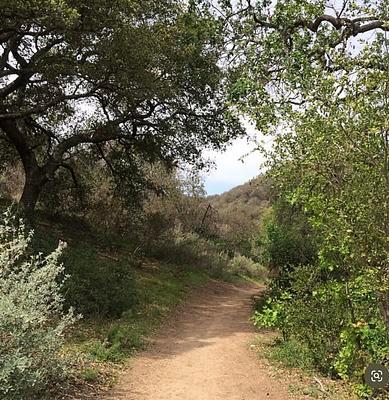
125	79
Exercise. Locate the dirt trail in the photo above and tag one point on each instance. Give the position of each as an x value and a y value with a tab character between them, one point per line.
203	353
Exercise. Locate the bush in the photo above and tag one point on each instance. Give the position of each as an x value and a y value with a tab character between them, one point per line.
287	240
242	265
188	248
337	323
32	318
272	313
99	286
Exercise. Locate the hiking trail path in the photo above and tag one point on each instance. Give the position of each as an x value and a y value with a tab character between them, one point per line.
203	353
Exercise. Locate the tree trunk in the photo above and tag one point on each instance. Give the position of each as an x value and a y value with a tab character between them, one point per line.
35	176
33	185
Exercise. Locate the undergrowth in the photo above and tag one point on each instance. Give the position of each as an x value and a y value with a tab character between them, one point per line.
161	287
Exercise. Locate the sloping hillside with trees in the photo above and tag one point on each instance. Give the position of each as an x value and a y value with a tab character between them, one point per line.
240	214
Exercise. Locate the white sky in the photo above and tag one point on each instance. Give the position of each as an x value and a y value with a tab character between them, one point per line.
238	164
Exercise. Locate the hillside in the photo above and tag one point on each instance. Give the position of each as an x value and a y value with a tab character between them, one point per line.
240	212
250	199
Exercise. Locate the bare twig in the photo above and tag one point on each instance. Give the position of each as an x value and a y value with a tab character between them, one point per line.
322	389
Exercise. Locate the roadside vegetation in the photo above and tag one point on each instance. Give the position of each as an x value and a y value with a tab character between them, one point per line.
118	283
290	364
326	238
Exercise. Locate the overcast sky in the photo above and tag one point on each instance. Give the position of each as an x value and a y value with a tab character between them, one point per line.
236	165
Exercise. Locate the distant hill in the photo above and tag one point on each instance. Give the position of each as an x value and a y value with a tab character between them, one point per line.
240	212
250	198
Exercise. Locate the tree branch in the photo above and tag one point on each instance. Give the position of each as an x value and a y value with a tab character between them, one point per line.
110	131
72	173
14	133
353	25
42	108
27	66
110	166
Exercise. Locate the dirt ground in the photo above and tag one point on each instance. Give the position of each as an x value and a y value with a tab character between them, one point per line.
203	353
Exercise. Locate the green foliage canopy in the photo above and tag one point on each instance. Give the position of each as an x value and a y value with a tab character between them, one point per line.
125	80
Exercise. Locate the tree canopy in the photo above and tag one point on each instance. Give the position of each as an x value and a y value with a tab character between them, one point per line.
125	81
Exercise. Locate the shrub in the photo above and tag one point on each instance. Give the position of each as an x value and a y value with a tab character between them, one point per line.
272	313
188	248
242	265
32	317
99	286
336	323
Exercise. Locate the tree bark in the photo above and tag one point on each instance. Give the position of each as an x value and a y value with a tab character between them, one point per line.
35	179
35	176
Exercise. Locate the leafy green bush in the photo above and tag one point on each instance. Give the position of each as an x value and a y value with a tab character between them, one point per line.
328	318
32	316
288	240
272	313
322	297
361	343
242	265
